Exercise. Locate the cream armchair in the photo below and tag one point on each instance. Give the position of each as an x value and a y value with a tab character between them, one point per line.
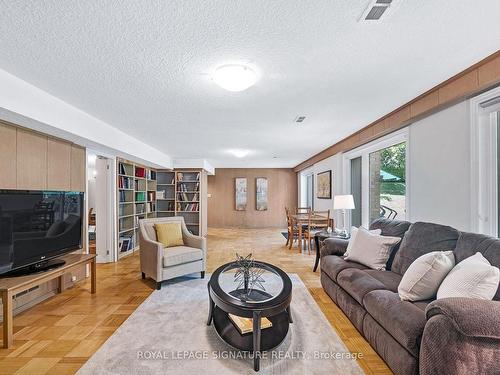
162	263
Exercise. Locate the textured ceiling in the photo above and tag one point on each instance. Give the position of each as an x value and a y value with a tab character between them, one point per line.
144	66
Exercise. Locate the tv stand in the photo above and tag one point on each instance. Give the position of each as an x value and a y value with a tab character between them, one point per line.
37	267
10	286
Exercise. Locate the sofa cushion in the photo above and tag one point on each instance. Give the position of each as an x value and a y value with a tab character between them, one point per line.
333	264
423	238
392	228
403	320
390	279
173	256
470	243
358	283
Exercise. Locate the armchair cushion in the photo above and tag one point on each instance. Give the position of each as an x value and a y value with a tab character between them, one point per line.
169	234
173	256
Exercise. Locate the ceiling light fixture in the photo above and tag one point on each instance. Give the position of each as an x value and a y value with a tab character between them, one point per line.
235	77
239	153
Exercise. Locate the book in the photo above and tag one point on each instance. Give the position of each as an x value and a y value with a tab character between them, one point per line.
245	325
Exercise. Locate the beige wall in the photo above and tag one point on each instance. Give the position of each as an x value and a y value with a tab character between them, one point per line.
282	192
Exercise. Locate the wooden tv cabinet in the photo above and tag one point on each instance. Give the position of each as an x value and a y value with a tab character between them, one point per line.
10	286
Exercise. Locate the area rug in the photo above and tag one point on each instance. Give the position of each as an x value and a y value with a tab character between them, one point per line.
168	334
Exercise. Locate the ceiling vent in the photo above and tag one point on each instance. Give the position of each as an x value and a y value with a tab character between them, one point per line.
300	118
376	10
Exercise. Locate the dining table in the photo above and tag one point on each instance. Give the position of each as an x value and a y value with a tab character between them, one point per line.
301	219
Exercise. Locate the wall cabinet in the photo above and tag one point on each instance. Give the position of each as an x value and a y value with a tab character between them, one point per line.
58	165
31	160
34	161
8	159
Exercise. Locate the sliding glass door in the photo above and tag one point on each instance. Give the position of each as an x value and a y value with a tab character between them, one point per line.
376	177
387	183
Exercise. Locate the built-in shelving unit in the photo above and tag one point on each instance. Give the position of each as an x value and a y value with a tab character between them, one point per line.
136	200
182	193
146	193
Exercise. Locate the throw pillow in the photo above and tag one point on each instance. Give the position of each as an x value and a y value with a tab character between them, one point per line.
422	279
372	250
169	234
473	277
354	232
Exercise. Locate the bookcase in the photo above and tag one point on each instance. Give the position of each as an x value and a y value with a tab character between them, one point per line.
136	200
183	193
146	193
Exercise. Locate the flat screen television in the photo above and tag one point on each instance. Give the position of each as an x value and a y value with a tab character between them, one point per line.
36	227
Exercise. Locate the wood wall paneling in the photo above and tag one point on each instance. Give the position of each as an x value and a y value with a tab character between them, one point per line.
477	78
424	104
282	185
459	87
31	160
8	153
58	165
489	73
77	168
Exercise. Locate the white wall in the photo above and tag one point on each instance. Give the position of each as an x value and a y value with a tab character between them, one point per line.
333	163
24	104
440	168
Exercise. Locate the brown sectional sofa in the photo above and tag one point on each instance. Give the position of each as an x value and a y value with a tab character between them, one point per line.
449	336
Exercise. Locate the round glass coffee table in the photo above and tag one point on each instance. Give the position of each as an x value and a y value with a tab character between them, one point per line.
263	292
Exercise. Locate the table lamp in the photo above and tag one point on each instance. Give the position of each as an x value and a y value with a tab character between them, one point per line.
343	202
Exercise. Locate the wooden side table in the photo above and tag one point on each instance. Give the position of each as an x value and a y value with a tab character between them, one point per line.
320	237
10	286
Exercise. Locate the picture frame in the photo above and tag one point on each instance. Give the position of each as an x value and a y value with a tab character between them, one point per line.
240	193
324	185
261	193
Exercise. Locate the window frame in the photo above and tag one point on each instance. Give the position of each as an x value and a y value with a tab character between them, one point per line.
364	152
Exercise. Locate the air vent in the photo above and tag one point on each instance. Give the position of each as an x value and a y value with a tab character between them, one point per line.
300	118
376	10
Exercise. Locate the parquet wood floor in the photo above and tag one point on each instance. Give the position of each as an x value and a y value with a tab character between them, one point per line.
58	335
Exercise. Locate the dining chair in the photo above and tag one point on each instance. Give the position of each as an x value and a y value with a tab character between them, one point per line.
292	229
316	225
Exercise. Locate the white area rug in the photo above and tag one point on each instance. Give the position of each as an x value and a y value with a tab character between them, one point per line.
168	334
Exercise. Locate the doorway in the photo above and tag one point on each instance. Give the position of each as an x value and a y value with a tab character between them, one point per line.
100	206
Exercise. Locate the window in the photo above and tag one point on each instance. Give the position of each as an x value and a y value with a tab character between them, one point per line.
387	183
376	176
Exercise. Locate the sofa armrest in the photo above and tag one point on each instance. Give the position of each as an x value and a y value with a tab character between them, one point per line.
471	316
151	257
333	246
462	335
197	242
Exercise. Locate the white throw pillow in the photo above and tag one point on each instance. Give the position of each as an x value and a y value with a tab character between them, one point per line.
354	232
372	250
473	277
422	279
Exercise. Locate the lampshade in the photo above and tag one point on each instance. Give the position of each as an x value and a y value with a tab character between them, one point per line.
343	202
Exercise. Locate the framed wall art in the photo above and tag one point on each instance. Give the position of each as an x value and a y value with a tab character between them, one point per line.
324	185
261	193
240	187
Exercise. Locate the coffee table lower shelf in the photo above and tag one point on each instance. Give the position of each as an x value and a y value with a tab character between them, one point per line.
270	337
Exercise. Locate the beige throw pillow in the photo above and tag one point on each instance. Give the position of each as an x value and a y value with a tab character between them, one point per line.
473	277
372	250
422	279
354	232
169	234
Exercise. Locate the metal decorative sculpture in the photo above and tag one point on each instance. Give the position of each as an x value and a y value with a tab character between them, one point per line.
247	275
